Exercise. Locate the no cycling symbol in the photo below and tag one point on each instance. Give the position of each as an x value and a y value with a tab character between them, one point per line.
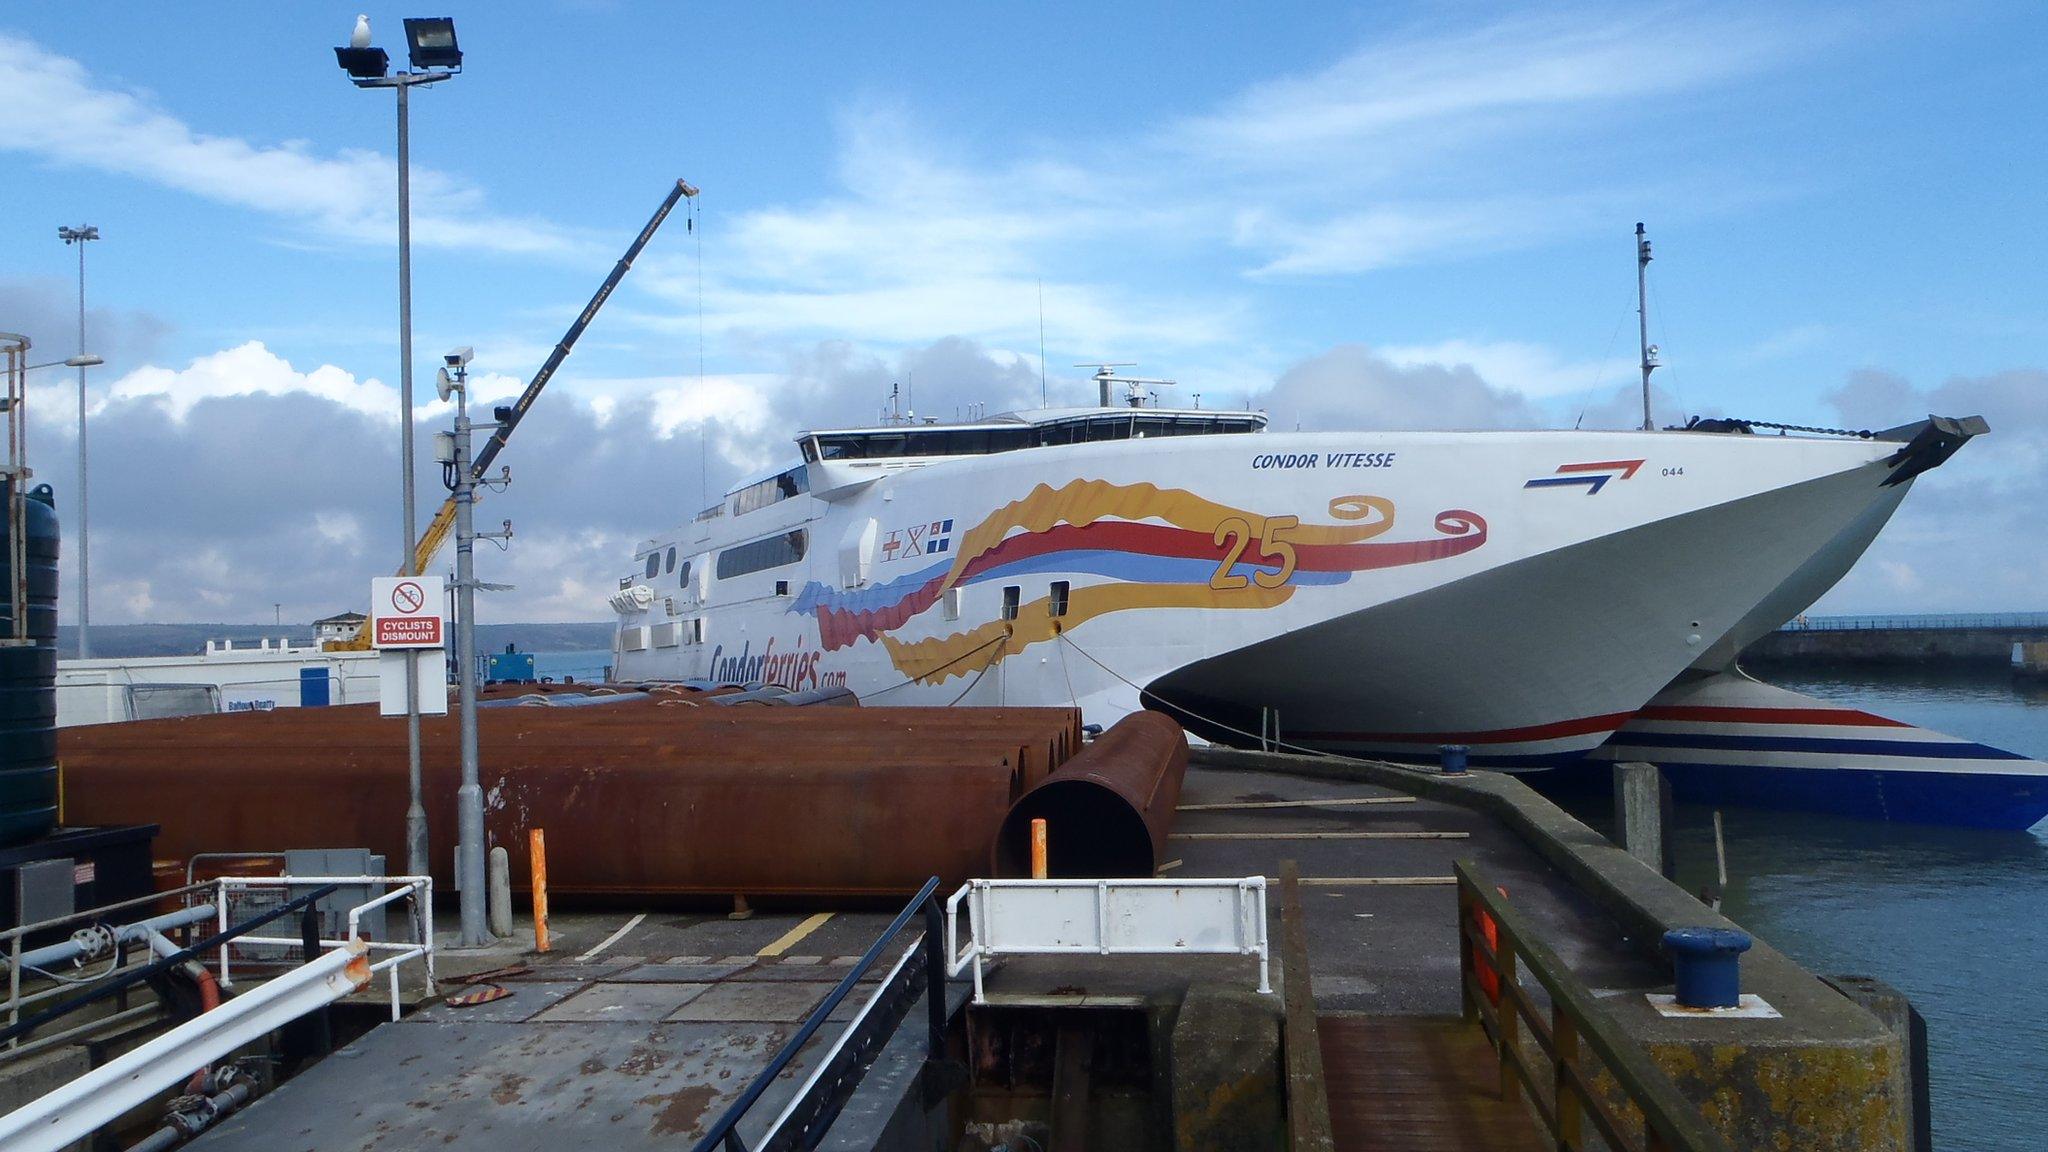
408	598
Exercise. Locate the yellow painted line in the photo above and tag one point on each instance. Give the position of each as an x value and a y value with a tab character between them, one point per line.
1319	836
1371	881
788	939
1248	805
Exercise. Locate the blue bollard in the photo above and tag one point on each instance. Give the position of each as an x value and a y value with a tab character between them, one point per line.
1453	758
1707	965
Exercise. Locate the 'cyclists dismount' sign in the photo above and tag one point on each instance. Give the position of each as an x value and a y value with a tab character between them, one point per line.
405	612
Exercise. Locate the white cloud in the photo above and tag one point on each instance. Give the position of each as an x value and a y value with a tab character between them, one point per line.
249	370
1968	536
1433	91
1355	387
1529	369
55	109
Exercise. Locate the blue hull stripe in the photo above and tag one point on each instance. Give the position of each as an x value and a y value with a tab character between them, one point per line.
1829	744
1970	801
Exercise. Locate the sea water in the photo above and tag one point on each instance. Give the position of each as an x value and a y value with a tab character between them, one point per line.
1955	918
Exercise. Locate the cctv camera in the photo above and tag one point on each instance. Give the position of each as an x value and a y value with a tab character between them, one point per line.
461	357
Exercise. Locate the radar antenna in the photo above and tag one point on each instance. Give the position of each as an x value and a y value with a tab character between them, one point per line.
1135	394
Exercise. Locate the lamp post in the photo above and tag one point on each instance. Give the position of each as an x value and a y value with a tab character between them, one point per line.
469	798
79	236
435	57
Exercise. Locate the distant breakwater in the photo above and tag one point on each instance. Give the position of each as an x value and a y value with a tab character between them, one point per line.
1979	642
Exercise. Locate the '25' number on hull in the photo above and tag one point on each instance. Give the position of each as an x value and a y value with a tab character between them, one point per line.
1238	531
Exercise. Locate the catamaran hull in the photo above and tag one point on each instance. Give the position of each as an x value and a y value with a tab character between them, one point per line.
1727	739
1377	594
1534	662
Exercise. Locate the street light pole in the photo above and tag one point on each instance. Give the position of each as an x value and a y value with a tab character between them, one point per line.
415	813
79	236
369	68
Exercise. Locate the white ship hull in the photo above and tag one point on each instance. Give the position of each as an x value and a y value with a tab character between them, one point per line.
1382	593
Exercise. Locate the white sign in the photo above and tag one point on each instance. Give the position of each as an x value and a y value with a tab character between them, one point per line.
405	612
432	682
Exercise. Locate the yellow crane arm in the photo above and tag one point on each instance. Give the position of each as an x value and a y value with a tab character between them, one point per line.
508	418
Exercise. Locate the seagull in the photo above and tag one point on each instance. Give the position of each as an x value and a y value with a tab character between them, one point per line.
360	38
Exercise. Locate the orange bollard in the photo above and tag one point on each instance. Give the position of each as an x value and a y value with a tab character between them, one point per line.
538	844
1038	849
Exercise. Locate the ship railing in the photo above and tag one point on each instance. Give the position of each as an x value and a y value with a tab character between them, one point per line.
919	969
1497	943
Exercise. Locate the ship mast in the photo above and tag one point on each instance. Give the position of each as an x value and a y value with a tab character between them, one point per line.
1649	350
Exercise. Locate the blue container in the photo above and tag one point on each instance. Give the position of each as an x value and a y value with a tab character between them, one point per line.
1707	965
1453	758
510	667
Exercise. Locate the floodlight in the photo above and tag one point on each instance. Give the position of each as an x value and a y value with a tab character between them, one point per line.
431	42
364	63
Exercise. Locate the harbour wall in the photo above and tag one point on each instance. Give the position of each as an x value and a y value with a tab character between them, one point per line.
1826	1075
1974	647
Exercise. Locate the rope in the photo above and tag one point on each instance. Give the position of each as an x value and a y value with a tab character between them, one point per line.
1264	741
941	668
1752	425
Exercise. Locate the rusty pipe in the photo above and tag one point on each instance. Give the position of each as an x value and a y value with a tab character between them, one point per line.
1107	810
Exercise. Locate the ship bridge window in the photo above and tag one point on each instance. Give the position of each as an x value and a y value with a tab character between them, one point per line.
986	439
653	564
671	559
794	482
685	580
761	555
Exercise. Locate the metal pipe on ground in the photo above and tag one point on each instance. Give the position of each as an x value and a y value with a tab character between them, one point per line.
1108	810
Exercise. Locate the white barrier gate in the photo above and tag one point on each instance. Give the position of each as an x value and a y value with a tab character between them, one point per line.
1222	916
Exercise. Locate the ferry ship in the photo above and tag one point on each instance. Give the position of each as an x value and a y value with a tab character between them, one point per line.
1370	593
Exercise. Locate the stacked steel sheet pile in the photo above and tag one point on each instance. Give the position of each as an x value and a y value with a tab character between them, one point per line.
656	793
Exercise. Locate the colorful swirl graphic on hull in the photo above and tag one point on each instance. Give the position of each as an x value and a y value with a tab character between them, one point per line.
1154	547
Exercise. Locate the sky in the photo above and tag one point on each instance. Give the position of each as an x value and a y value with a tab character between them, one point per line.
1353	216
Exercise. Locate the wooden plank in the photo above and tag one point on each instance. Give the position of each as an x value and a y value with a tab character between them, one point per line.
1418	1084
1308	1104
1319	836
1331	802
1073	1057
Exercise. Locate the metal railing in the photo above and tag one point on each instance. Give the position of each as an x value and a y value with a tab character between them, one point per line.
419	890
1216	916
1496	943
1938	622
122	974
113	985
803	1121
15	941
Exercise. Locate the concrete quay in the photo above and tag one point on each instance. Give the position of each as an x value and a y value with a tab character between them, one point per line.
639	1038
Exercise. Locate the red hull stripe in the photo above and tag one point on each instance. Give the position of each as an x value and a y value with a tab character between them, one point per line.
1533	732
1722	714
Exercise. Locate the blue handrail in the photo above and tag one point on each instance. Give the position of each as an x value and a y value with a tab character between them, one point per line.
725	1130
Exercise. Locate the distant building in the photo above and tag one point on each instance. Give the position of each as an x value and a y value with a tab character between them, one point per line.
339	628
